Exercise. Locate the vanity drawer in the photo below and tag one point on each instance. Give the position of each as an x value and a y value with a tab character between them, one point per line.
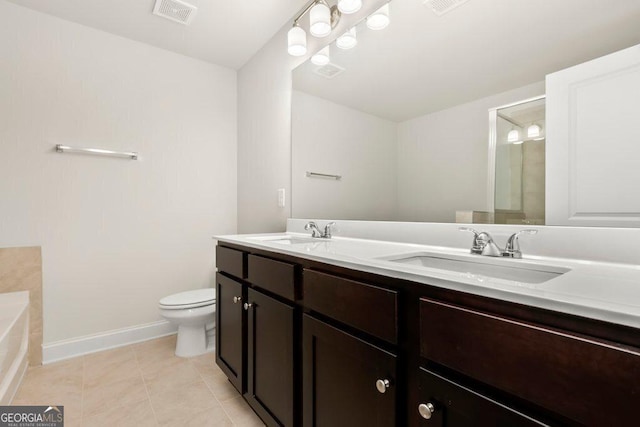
231	261
273	276
590	382
369	308
455	405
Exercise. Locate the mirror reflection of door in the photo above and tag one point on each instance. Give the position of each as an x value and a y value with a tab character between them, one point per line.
520	163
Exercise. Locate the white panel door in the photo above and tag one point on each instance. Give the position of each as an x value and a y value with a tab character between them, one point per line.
593	142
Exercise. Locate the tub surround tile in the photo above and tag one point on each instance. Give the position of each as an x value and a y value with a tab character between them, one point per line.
139	385
21	270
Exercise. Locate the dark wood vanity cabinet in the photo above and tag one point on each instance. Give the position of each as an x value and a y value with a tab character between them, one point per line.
230	325
321	345
443	402
347	382
255	332
566	373
270	358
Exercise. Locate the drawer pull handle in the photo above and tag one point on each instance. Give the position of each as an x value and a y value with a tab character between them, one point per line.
382	385
426	410
237	299
247	305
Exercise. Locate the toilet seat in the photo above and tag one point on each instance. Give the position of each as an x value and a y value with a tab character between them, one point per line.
189	299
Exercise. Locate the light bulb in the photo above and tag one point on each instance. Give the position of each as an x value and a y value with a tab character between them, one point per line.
322	57
533	131
349	6
297	41
320	20
347	40
379	19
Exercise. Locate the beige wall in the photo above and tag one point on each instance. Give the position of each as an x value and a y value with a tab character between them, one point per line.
116	235
21	270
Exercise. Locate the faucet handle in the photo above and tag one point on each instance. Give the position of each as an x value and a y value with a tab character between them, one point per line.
315	231
478	242
512	249
327	230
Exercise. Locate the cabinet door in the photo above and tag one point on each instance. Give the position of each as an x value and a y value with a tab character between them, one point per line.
445	403
230	329
270	359
340	374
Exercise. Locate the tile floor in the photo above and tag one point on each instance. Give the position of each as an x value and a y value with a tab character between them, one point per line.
139	385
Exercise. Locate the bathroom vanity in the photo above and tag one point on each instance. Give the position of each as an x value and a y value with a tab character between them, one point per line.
354	332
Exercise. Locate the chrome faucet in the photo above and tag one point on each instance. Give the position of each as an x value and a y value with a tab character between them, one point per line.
512	250
315	231
327	230
483	244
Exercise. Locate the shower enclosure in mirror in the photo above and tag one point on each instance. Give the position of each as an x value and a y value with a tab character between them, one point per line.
517	140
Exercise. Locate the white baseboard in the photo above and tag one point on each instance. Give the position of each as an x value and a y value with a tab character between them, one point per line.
74	347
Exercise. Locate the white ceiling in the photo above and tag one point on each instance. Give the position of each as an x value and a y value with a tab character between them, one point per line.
423	63
224	32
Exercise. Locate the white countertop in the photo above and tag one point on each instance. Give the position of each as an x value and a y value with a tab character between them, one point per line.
599	290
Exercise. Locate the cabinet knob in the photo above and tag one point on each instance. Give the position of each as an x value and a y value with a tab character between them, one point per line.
237	299
247	305
426	410
382	385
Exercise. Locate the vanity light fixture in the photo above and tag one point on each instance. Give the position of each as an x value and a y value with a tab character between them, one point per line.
379	19
297	41
348	40
349	6
322	19
533	131
513	136
322	57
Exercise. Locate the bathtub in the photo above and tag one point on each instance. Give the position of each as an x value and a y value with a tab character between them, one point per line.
14	342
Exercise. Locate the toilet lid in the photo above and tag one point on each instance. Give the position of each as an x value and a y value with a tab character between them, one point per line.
190	299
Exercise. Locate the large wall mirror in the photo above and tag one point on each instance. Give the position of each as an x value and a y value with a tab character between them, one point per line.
398	127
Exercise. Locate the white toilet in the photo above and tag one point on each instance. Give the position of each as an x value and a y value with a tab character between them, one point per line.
194	313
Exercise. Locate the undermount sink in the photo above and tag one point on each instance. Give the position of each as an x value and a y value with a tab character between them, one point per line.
288	240
483	267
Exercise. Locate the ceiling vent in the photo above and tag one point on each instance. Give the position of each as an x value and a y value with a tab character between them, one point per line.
329	71
175	10
440	7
